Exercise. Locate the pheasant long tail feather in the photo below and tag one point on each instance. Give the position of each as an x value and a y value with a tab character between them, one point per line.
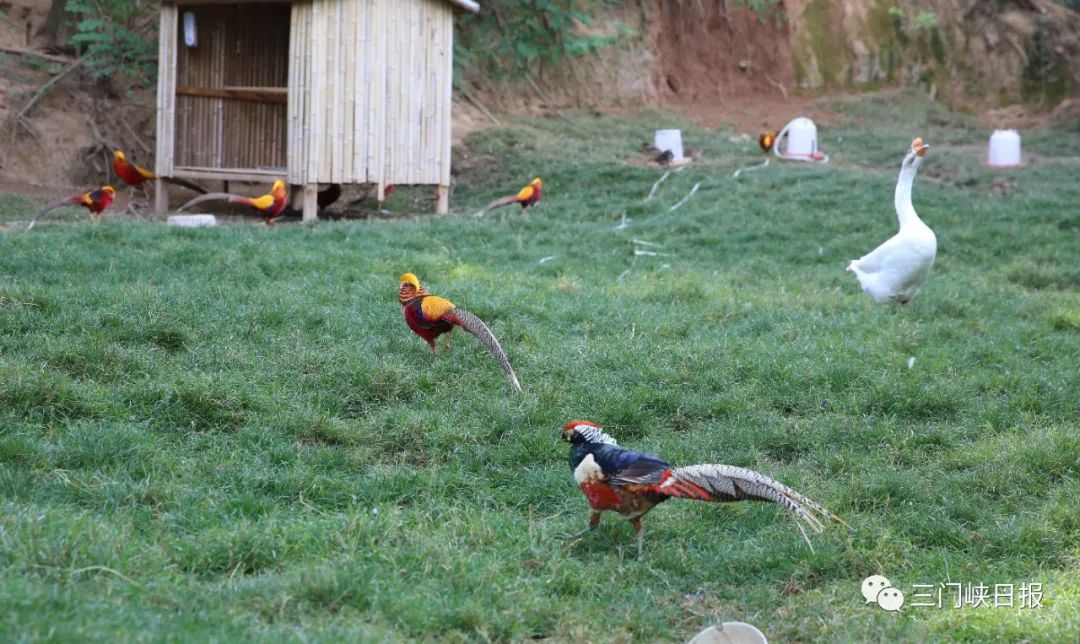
47	209
723	483
213	196
477	328
499	203
186	184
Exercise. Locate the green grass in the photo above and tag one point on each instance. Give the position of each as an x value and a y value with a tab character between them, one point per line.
229	433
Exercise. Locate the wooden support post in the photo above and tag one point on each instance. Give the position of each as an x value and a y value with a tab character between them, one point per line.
311	202
442	200
161	198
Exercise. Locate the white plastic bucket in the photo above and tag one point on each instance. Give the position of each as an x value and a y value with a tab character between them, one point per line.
1004	150
801	138
669	140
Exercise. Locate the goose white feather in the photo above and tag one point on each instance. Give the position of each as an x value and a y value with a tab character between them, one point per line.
897	269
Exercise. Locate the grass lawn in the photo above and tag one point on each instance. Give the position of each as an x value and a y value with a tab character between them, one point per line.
230	434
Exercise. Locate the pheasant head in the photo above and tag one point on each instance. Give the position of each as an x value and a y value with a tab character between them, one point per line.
119	156
585	431
409	288
536	183
109	189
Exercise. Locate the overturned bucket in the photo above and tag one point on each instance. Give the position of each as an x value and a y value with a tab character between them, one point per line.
665	140
1004	149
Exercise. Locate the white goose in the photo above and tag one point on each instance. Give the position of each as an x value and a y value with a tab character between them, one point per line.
897	269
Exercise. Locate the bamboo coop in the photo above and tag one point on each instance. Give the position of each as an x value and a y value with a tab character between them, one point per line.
311	91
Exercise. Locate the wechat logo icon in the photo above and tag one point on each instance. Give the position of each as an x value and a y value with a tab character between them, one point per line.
876	589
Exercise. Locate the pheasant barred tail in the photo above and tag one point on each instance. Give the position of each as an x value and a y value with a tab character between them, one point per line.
499	203
723	483
186	184
477	328
212	196
47	209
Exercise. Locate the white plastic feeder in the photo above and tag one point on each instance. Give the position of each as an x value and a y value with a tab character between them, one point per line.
192	221
1004	150
669	140
801	141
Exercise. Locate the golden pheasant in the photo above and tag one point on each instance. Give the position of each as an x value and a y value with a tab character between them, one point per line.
270	205
632	483
767	140
96	201
430	316
136	176
527	196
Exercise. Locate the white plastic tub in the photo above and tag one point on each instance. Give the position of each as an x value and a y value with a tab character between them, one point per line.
801	138
1004	149
669	140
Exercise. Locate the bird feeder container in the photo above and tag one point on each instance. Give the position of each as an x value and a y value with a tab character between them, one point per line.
192	221
801	139
1004	149
669	140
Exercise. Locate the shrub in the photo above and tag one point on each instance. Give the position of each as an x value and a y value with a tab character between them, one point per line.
117	36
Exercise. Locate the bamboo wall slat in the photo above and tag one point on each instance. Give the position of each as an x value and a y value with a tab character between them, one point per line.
347	78
313	117
166	98
446	70
362	79
299	79
377	107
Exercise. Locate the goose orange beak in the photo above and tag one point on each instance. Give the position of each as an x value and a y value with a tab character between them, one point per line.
919	147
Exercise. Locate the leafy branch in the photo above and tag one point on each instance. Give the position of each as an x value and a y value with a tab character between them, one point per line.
511	37
115	37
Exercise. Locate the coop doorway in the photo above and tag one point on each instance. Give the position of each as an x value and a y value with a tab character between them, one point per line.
232	69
